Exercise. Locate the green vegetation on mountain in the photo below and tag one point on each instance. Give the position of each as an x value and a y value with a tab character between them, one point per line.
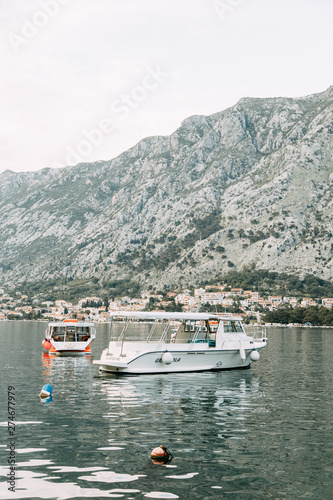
265	282
273	283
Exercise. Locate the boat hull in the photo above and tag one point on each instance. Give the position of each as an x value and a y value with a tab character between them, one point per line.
182	361
69	350
70	353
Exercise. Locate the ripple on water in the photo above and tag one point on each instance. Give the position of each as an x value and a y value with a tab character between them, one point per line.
184	476
30	450
160	494
111	448
111	477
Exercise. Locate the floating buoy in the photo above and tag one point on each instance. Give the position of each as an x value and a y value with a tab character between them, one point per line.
158	452
46	391
167	358
254	356
161	455
46	345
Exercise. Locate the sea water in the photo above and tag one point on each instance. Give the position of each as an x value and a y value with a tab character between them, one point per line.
261	433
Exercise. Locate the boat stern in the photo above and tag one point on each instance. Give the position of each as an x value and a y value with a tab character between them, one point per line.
112	362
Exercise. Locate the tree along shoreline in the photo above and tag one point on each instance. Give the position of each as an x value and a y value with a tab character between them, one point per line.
312	315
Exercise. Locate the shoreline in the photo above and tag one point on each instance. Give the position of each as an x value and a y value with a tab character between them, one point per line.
269	325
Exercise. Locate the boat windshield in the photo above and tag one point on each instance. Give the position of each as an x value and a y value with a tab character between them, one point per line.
232	326
70	333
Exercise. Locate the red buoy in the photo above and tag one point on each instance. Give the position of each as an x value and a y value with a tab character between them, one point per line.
47	345
158	452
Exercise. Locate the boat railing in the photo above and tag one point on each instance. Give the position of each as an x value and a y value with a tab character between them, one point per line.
121	337
152	333
159	332
200	335
258	332
164	337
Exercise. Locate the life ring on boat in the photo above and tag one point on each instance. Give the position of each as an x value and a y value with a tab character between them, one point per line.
70	321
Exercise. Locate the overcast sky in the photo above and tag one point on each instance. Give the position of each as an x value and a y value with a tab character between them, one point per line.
84	80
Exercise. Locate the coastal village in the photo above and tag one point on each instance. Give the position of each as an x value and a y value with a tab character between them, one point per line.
220	298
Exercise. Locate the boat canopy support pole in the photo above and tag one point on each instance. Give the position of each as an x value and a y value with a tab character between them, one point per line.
165	332
196	333
111	328
122	335
152	331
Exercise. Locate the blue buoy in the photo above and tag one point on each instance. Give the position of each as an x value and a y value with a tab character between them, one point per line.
46	391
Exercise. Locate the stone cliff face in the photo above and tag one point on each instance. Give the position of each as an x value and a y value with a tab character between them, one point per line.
248	185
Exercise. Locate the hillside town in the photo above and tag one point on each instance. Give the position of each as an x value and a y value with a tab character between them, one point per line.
217	298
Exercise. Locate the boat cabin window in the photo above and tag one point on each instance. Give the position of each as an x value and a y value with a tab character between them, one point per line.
70	333
194	326
213	325
58	333
232	326
192	331
83	333
59	329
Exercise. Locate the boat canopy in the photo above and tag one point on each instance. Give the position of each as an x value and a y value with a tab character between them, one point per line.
71	323
166	315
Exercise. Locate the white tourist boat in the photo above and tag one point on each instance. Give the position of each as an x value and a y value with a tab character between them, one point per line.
203	341
69	337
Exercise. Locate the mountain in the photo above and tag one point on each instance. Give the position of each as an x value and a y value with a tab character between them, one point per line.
246	187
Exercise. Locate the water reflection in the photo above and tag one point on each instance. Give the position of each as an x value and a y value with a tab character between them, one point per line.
188	413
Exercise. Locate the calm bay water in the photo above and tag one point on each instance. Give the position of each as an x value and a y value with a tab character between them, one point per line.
262	433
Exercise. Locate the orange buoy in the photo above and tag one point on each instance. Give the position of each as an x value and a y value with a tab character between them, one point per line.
161	455
47	345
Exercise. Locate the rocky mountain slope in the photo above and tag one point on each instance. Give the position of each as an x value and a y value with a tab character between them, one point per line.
248	186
